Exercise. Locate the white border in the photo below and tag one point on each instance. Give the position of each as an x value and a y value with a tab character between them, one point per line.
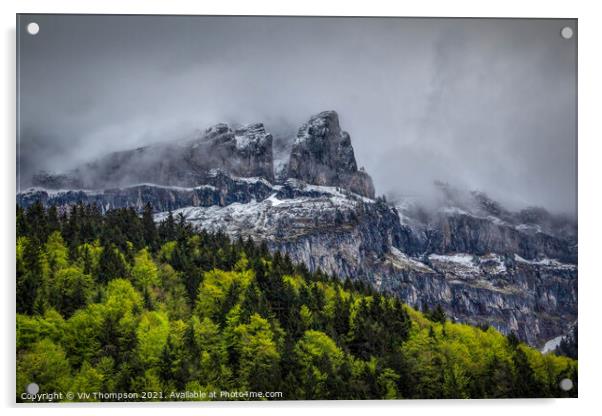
590	204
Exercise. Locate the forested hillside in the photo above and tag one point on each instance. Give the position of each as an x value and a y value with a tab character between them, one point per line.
117	303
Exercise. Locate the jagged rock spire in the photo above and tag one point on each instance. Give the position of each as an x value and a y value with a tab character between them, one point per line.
323	155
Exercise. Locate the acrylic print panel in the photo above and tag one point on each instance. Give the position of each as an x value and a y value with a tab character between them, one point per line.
295	208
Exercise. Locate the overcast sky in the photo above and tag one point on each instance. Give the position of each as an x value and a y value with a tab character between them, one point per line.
481	104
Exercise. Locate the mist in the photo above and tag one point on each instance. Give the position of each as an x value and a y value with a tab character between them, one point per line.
484	104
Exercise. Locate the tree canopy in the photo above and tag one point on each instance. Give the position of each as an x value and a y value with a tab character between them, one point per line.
114	302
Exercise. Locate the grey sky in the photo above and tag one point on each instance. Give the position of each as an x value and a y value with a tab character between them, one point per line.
482	104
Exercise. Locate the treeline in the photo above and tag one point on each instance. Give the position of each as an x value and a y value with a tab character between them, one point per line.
117	303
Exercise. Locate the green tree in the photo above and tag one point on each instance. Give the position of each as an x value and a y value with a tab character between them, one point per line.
258	355
46	365
87	380
152	334
32	276
145	274
151	235
220	291
112	264
213	356
71	290
318	358
37	222
526	383
22	226
53	219
438	315
57	253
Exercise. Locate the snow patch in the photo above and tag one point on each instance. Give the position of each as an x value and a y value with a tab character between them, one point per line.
242	142
498	221
529	228
170	187
552	344
58	192
336	192
275	201
455	211
458	258
260	219
252	180
404	261
493	263
91	192
545	262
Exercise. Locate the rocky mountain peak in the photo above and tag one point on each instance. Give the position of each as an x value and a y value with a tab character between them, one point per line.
323	155
216	130
320	126
254	138
489	205
244	151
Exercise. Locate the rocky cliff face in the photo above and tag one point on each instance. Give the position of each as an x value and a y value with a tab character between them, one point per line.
352	236
473	223
535	299
218	188
322	155
245	151
484	264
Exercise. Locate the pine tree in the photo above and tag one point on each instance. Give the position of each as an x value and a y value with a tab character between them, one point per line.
22	226
31	277
167	228
151	235
438	315
513	340
53	219
37	222
526	384
111	265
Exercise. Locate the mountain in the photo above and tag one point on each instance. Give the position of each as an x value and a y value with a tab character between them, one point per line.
472	222
484	264
322	155
246	151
